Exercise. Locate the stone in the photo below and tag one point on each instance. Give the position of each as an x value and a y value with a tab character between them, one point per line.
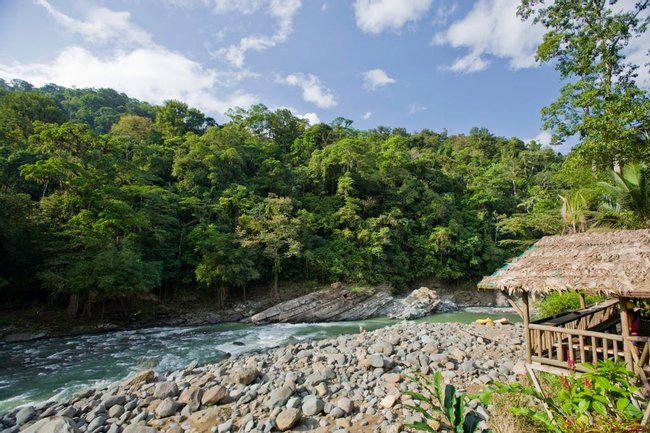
388	401
392	377
345	404
25	414
116	411
279	397
244	376
141	377
214	395
376	360
225	427
167	407
137	428
98	421
312	405
192	397
287	419
165	389
55	424
419	303
112	400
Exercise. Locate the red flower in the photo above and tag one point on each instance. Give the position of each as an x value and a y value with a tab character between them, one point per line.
571	363
586	382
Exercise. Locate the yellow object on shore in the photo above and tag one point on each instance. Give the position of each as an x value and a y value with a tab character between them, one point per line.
486	321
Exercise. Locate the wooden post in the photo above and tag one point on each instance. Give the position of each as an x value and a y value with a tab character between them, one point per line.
625	331
526	317
583	301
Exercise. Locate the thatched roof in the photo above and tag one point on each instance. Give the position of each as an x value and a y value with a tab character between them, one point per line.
613	263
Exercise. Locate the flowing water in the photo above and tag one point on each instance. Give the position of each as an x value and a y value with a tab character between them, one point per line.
57	367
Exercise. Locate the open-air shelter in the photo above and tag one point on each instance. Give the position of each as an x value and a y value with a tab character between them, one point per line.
614	264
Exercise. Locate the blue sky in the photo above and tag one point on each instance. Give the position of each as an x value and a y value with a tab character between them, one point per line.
436	64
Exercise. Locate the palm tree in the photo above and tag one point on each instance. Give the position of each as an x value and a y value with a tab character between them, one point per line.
629	191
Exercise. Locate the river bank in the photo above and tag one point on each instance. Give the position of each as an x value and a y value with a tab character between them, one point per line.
297	305
352	382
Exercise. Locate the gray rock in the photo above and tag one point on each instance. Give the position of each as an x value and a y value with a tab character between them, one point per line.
244	376
345	404
419	303
112	400
25	414
376	360
337	412
165	389
214	395
312	405
98	421
192	397
137	428
279	397
167	407
287	419
115	411
55	424
225	427
114	428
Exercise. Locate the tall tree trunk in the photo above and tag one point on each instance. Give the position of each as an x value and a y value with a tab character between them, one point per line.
73	305
276	293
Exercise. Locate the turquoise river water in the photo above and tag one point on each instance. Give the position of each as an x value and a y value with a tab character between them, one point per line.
57	367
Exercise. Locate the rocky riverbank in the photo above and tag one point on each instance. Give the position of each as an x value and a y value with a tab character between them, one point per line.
352	383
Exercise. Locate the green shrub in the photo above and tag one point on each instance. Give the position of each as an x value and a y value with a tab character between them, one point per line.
556	303
600	400
449	403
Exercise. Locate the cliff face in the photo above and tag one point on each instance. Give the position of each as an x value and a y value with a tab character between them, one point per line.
329	305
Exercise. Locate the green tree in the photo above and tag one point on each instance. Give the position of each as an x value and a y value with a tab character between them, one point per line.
273	229
601	102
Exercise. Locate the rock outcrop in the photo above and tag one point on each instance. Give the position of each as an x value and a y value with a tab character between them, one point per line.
419	303
329	305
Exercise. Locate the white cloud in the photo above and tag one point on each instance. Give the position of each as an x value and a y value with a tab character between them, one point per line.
367	115
283	11
312	118
375	78
102	25
312	89
375	16
492	27
637	53
543	138
152	74
416	108
443	13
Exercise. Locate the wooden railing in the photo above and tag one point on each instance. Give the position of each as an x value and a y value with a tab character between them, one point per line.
559	347
587	318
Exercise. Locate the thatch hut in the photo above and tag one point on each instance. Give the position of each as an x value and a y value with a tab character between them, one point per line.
615	264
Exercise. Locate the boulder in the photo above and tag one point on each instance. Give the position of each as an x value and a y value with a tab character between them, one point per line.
419	303
25	414
141	377
192	397
279	397
244	376
165	389
214	395
167	407
287	419
312	405
137	428
55	424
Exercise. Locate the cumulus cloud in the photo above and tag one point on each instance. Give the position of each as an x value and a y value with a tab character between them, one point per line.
493	28
152	74
101	25
375	78
367	115
543	138
312	118
282	11
312	89
375	16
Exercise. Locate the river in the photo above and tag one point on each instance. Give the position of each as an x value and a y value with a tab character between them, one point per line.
40	370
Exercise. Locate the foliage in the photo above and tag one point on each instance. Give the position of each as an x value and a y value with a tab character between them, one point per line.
630	190
601	101
600	397
447	402
94	179
560	302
